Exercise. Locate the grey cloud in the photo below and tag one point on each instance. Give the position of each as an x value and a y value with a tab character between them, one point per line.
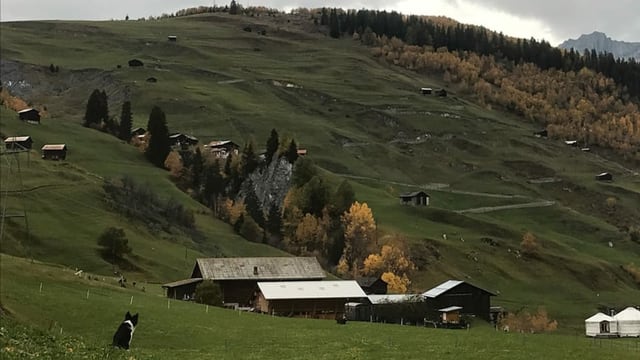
619	19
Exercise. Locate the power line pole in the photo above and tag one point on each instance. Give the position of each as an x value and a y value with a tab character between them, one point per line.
11	184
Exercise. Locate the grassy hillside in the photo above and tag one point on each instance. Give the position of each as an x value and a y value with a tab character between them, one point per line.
359	119
81	316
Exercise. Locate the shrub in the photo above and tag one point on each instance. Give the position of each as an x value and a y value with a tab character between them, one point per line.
525	322
208	292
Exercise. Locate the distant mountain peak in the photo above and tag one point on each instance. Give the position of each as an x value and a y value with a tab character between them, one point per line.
600	42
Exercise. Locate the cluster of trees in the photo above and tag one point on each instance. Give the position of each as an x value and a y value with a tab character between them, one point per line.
114	245
455	37
137	201
97	116
583	105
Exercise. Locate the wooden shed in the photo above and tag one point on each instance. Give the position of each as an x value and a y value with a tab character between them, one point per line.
182	289
29	115
138	131
222	148
450	315
372	285
18	143
418	198
426	90
605	176
473	300
172	38
182	141
54	152
317	299
238	277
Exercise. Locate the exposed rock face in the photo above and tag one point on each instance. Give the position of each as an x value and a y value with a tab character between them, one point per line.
270	184
601	42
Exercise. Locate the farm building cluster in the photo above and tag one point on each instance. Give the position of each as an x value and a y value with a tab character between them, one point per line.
24	143
623	324
296	286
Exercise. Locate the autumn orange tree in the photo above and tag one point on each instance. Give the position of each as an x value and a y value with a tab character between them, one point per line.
393	265
529	244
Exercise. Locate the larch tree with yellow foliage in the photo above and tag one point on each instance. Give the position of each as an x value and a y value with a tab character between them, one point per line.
393	265
359	234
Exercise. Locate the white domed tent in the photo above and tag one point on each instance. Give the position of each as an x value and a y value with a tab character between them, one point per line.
628	322
601	325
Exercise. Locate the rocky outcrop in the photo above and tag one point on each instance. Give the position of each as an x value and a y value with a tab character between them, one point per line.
270	183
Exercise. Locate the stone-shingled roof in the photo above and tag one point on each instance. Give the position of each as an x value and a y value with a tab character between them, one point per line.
259	268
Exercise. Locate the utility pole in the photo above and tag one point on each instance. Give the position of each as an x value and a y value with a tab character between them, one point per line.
11	186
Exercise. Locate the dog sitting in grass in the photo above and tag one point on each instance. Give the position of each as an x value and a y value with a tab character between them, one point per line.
122	337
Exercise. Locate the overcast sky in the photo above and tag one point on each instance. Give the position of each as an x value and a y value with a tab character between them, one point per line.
552	20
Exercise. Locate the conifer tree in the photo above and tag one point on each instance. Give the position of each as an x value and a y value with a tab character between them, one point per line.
334	24
124	128
159	146
272	145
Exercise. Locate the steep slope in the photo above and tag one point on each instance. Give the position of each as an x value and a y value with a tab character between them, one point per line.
359	119
600	42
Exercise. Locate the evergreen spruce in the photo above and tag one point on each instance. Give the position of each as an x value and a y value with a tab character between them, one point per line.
159	147
126	122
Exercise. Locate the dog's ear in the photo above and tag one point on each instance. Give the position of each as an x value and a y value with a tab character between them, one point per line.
134	319
127	316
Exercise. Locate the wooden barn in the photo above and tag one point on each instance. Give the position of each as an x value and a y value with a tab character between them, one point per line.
182	289
605	176
182	141
316	299
473	300
172	38
417	198
18	143
29	115
541	133
573	143
222	148
54	152
426	90
389	308
441	93
138	131
373	285
238	277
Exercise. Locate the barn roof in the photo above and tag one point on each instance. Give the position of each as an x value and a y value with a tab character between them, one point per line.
414	194
603	174
311	290
368	281
600	317
54	147
181	282
217	143
446	286
628	314
260	268
393	298
26	110
16	139
450	309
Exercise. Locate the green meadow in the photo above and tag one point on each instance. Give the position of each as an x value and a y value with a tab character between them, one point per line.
81	315
361	120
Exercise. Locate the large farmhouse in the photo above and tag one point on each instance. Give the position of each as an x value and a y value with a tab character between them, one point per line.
316	299
238	277
472	299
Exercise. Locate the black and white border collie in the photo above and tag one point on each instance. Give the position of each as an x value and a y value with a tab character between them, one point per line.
122	337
